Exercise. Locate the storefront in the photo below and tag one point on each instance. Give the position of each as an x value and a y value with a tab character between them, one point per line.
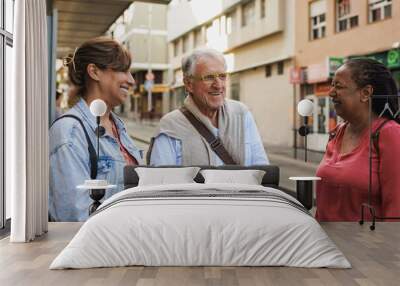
157	95
316	86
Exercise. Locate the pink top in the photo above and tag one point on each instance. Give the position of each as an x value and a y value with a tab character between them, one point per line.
129	159
345	177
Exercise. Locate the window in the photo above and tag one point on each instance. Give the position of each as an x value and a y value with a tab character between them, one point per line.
6	65
222	25
235	87
176	47
353	22
317	19
344	18
185	46
212	32
197	38
281	66
262	7
379	10
248	13
9	13
230	22
268	70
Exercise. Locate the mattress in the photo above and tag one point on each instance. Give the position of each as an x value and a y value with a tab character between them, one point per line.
201	225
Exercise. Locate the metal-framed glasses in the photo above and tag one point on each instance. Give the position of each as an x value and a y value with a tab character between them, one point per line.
210	78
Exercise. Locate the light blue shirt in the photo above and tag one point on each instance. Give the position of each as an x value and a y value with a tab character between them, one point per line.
168	151
69	162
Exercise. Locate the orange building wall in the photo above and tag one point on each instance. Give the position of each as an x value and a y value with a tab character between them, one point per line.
364	39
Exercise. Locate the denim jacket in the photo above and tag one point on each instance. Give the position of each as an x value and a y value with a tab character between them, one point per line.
70	167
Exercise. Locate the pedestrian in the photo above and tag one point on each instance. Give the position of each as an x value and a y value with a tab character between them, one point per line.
345	167
229	124
98	69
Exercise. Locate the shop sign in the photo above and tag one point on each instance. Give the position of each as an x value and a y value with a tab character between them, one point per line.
322	89
148	84
317	73
380	57
150	76
296	75
390	59
393	58
155	88
334	63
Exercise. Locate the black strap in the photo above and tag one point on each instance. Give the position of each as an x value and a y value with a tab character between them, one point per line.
375	141
92	151
215	143
375	136
149	151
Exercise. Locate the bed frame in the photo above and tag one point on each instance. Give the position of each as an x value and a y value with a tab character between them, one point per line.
270	179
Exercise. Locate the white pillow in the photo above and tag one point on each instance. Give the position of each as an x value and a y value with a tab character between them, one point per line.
248	177
166	176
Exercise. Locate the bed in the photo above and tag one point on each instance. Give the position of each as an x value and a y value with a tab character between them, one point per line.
201	224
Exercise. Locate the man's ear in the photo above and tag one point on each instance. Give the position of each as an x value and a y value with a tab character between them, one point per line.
188	84
93	72
366	93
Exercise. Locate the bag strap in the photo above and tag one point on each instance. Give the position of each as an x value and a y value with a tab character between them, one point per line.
92	151
375	136
215	142
375	142
150	150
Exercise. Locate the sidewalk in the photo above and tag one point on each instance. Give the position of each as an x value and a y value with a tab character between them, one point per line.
141	132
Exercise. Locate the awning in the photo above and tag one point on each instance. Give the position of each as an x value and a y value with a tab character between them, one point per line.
80	20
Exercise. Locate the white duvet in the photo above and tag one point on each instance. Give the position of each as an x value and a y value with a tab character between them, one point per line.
183	231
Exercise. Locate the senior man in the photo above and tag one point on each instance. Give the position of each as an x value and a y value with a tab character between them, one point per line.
208	129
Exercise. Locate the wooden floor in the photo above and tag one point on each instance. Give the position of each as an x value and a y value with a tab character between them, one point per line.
375	256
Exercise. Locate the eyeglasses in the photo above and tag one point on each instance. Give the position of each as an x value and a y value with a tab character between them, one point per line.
210	78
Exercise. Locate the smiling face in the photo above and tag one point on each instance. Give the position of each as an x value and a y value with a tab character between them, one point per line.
348	99
208	95
115	85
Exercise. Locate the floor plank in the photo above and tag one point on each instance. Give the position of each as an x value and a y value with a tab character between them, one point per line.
375	257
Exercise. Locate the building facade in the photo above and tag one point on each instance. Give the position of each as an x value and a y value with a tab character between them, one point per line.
330	31
142	29
257	39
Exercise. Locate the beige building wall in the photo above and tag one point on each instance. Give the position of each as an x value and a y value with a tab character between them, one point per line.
364	39
269	98
271	101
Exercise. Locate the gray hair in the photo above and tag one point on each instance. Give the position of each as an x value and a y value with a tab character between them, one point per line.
189	62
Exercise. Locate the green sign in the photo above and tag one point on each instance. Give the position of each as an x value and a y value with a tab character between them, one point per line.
393	58
390	59
380	57
334	63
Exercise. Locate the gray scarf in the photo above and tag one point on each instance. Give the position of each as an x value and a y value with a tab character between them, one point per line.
195	149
